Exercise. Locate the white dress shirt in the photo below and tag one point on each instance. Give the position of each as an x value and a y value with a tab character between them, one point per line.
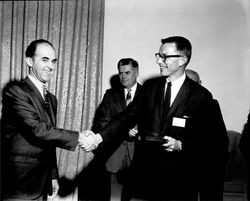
175	87
133	89
39	85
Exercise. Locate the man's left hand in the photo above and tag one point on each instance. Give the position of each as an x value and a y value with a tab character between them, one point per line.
172	144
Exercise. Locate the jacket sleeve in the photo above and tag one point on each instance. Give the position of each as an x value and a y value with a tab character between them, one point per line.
22	112
123	121
220	131
102	115
54	173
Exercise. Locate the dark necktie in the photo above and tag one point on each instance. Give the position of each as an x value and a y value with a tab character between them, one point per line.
46	97
128	97
166	104
127	158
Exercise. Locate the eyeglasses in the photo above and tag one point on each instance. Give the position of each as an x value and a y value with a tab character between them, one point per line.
164	57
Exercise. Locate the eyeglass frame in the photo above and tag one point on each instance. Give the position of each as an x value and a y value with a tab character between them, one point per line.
165	57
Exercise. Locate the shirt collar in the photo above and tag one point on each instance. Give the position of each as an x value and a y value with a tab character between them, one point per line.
133	89
39	85
179	81
175	87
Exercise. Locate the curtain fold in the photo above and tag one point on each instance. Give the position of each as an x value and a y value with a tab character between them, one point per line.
75	28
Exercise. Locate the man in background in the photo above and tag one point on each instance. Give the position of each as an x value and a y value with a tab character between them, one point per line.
193	75
212	180
115	100
245	149
29	135
174	130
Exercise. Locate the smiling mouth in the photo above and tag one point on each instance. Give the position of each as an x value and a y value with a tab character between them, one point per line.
47	73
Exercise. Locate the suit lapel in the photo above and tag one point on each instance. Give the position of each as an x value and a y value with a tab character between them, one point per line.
121	99
160	93
177	105
137	89
34	92
51	109
180	98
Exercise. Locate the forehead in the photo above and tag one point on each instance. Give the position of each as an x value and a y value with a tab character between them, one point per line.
45	50
125	68
168	48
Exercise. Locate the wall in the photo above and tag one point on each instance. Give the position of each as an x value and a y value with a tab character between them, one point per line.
219	31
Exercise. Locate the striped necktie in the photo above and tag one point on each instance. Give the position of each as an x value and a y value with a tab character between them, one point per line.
128	97
46	96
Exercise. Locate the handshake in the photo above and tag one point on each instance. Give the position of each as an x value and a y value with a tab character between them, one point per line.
89	140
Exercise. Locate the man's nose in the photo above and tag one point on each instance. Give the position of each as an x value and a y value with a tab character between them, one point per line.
51	65
159	60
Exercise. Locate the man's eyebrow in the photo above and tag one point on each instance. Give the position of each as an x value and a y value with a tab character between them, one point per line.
125	72
45	58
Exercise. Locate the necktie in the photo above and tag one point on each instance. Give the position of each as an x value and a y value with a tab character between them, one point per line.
128	97
46	96
167	99
127	158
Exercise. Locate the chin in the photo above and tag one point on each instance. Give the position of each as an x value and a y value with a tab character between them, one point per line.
164	74
46	79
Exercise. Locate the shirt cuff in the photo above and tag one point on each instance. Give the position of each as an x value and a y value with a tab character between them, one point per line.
98	138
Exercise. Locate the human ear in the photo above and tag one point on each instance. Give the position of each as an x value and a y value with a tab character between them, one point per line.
29	61
183	60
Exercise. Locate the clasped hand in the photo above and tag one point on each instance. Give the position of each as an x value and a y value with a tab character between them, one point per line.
133	132
88	140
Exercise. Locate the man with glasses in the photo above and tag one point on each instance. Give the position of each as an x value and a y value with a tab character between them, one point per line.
176	133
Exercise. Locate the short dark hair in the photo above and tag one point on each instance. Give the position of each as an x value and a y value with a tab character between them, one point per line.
127	61
182	44
31	49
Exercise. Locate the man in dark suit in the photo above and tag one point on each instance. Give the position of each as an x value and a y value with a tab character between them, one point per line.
175	129
212	180
115	100
245	149
28	130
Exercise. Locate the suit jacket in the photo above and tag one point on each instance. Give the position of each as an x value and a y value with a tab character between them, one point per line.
244	146
112	104
212	180
245	138
30	139
190	120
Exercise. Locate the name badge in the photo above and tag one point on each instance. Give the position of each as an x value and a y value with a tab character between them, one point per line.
180	122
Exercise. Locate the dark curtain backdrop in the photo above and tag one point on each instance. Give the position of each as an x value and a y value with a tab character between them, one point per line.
75	27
